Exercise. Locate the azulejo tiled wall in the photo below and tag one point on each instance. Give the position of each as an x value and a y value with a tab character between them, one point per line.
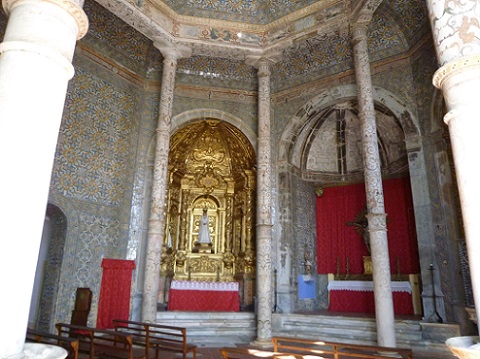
93	147
98	179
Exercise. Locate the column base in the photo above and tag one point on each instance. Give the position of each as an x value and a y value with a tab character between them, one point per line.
262	343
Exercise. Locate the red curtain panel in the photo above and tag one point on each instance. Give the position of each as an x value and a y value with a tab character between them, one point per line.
114	302
339	243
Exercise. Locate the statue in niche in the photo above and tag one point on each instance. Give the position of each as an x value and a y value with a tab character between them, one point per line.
204	233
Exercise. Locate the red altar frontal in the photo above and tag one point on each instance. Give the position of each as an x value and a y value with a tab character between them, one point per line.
358	297
204	296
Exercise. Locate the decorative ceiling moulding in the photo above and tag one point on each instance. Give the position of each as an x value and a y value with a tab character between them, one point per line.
107	63
323	9
155	18
216	93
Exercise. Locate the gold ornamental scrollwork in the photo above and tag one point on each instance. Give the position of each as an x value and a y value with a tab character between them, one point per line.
228	260
181	258
203	265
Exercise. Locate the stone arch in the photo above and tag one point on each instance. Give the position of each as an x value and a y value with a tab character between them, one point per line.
437	113
190	116
291	180
66	292
53	299
337	94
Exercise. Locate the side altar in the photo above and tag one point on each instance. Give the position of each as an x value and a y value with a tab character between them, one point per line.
356	295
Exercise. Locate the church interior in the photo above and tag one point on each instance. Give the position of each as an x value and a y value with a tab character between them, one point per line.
221	147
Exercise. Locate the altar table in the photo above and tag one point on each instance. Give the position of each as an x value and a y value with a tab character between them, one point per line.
204	296
358	297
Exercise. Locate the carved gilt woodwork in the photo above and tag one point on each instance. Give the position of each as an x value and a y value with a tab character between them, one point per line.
212	167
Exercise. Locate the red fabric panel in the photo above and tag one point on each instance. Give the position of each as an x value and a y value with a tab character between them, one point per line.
363	302
204	301
336	241
114	302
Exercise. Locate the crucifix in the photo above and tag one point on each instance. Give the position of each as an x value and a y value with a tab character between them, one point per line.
361	226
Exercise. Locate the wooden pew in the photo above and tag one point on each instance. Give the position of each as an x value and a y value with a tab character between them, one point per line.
69	344
101	343
337	350
158	337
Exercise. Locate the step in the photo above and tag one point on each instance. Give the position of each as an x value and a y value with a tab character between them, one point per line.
218	329
213	329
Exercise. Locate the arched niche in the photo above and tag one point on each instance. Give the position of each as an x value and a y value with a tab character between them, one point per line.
212	167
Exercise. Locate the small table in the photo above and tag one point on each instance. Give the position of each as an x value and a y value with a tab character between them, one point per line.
357	296
200	296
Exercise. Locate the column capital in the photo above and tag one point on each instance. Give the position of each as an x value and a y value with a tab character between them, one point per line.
263	62
70	7
360	26
413	143
172	50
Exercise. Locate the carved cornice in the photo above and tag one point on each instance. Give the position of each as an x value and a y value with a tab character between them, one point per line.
155	18
170	49
69	6
455	67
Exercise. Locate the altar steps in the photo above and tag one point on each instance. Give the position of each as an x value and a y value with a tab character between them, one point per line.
218	329
213	329
410	333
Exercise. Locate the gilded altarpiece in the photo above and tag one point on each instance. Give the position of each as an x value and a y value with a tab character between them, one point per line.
211	173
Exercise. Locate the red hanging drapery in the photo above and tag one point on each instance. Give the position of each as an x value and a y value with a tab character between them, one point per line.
337	242
114	302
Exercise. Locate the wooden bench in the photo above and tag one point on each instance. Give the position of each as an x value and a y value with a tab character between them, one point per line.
101	343
69	344
158	337
337	350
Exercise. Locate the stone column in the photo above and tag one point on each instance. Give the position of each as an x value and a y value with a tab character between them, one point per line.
35	67
456	29
264	206
425	226
376	216
156	222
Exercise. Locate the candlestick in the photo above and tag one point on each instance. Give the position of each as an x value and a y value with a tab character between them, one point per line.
347	267
338	268
398	268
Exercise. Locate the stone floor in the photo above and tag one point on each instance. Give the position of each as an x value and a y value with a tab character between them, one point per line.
214	353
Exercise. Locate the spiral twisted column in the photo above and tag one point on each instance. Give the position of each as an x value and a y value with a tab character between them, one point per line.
456	30
376	216
156	222
35	67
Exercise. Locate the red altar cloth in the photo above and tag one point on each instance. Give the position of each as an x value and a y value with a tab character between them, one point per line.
356	299
204	296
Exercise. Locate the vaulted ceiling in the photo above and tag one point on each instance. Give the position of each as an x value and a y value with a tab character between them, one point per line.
240	28
313	39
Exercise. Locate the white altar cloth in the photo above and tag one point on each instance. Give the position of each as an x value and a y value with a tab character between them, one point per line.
366	286
205	286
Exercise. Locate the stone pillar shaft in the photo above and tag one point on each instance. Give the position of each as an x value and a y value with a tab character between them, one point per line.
264	225
374	190
456	29
35	67
156	221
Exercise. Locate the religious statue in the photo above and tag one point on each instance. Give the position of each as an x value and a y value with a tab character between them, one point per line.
204	233
361	226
